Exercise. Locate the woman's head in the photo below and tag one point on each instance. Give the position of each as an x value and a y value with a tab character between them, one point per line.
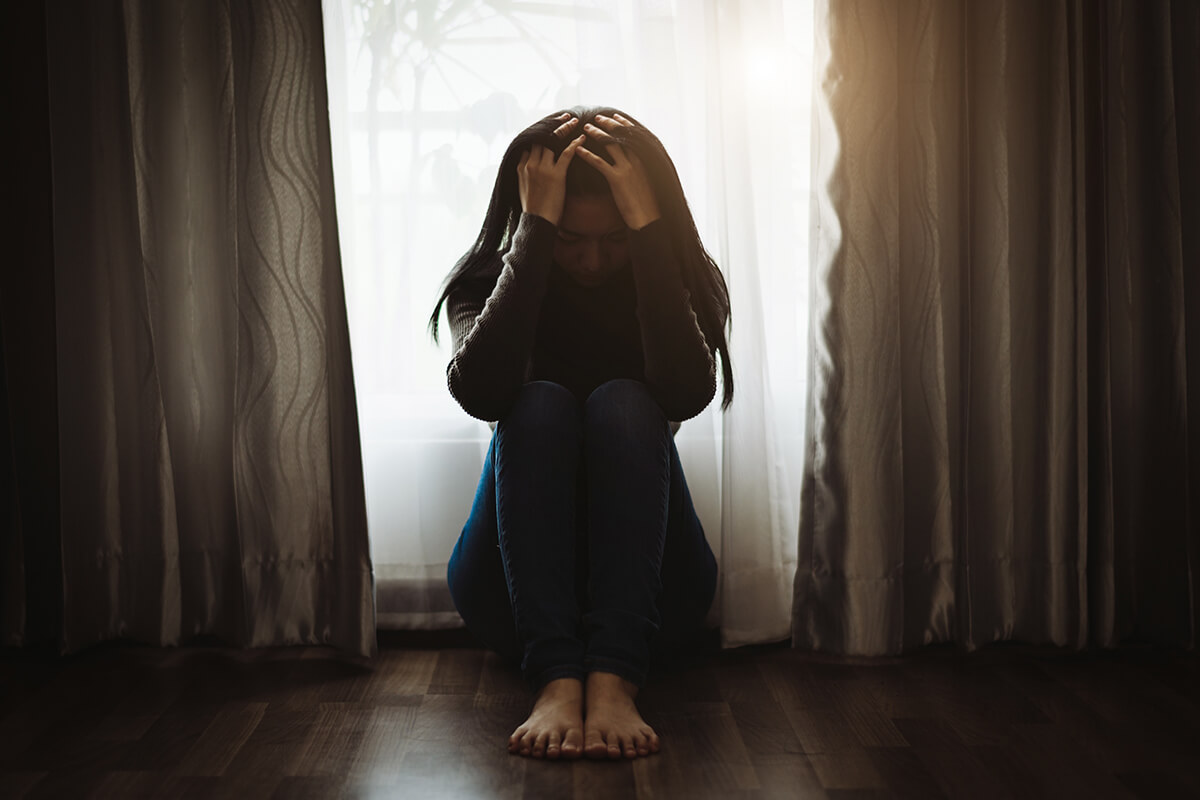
592	239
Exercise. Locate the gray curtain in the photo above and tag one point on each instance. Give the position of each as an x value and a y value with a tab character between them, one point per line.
211	478
1005	376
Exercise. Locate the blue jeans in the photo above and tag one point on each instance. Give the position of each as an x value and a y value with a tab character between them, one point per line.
582	552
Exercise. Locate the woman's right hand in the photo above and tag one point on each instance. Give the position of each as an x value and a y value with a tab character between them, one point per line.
542	179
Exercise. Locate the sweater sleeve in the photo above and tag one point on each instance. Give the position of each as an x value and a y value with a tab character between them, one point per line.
494	334
680	369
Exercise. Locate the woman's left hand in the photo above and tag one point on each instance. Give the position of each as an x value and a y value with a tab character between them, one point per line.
631	188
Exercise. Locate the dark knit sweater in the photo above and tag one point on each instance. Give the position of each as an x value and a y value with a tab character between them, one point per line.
528	320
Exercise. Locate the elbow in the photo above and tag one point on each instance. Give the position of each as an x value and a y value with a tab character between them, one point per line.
483	403
683	401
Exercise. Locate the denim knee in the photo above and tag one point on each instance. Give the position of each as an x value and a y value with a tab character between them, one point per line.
623	407
540	405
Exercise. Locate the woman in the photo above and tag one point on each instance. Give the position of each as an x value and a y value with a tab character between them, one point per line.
586	320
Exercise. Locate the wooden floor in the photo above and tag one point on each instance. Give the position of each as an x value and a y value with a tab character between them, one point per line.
423	722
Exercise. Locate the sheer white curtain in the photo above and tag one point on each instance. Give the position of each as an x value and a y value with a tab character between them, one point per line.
424	98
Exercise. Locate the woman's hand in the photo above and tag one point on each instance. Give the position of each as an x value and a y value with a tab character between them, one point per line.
626	176
542	180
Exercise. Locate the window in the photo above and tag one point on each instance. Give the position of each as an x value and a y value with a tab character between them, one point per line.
425	96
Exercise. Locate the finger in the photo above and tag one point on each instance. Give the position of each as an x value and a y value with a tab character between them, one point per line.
596	161
618	155
566	127
632	158
610	123
545	157
617	116
599	133
524	160
564	158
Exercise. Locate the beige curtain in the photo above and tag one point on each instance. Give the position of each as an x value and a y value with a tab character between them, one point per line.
1004	419
211	478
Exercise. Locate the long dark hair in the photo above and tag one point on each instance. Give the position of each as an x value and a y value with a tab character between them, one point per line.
701	275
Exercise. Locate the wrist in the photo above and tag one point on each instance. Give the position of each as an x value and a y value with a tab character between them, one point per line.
545	215
641	220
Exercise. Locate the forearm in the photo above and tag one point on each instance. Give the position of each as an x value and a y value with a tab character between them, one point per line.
679	366
492	351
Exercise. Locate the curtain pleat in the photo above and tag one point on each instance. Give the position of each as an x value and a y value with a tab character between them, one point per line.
211	473
998	438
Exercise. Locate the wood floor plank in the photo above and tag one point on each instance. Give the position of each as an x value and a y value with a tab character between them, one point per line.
448	768
495	717
384	742
220	742
1149	784
458	671
1104	741
1061	758
846	770
401	673
15	784
122	784
793	777
797	683
602	780
758	723
332	741
68	783
167	741
860	710
501	678
959	770
950	690
904	774
661	776
766	732
309	787
276	745
445	717
822	730
549	779
721	757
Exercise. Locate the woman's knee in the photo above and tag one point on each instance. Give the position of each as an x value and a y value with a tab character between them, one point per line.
542	404
623	407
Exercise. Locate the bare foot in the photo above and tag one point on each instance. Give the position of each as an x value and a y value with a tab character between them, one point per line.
613	726
555	726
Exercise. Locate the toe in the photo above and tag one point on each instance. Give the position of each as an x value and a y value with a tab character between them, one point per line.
514	741
627	746
539	744
553	745
593	744
641	743
614	746
526	746
572	746
654	742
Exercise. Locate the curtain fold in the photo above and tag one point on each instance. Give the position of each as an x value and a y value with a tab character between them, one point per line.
211	478
1005	327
